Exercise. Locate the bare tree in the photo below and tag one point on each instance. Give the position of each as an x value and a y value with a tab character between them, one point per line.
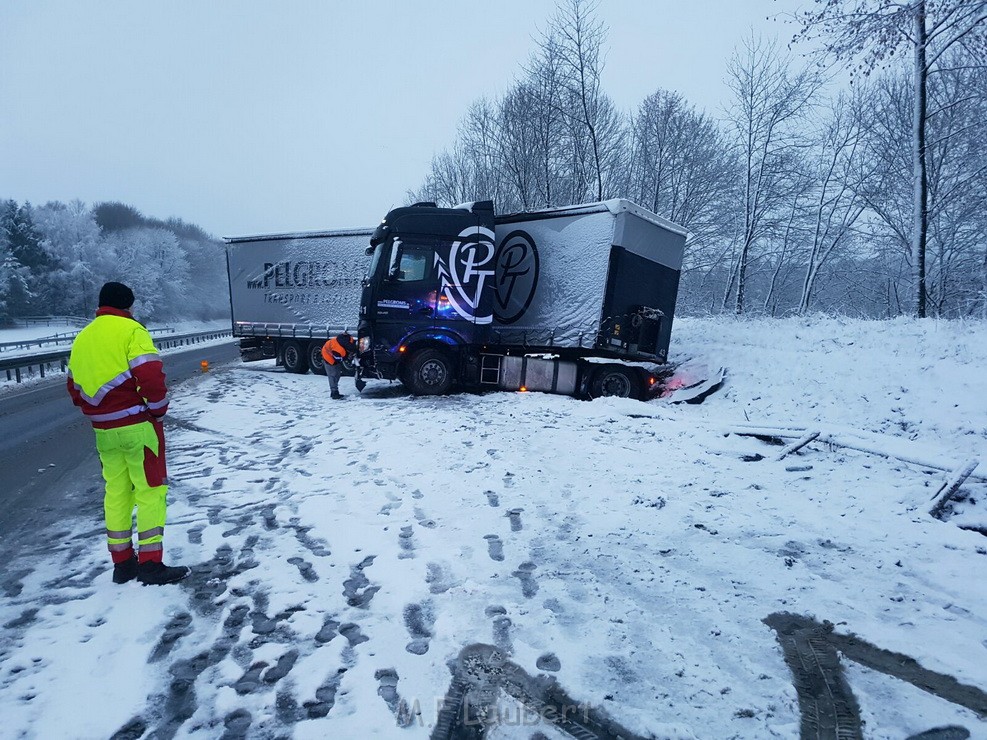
518	144
544	79
838	204
770	101
873	31
575	40
680	164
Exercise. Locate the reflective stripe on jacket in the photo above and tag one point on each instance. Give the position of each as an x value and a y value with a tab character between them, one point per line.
333	349
115	374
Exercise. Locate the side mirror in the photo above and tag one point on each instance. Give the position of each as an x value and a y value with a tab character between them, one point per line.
394	266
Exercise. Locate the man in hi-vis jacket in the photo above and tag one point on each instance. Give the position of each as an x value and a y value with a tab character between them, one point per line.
333	352
116	378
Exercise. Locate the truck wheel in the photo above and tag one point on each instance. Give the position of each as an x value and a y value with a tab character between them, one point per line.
315	358
614	380
295	360
429	373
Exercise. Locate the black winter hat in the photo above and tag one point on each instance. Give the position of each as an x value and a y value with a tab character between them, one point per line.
116	295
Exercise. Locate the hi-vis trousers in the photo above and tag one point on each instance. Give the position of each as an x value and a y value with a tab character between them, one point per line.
133	459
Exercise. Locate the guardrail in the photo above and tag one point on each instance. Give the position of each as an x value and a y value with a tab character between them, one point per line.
61	338
79	321
47	361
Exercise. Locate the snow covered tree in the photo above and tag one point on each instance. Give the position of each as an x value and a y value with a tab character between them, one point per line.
874	31
71	239
27	261
151	262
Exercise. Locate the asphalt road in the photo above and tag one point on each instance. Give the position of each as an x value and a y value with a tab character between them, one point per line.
48	465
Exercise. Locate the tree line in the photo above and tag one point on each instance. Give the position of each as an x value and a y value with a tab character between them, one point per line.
54	258
801	195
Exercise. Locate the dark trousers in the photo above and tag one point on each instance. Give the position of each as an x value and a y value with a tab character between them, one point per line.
334	373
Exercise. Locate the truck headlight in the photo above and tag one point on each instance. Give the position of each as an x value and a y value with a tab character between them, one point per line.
363	344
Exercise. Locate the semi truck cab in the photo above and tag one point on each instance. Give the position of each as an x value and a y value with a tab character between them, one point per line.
427	294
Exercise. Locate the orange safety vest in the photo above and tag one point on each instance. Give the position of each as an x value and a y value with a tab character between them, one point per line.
332	347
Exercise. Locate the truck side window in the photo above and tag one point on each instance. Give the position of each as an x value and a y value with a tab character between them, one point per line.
415	263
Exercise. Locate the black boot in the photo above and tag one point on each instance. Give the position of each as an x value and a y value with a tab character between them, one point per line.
153	573
125	571
335	395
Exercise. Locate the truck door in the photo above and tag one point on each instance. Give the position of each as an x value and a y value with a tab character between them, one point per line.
408	293
466	279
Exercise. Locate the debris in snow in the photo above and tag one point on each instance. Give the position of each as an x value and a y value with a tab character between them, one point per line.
951	486
796	446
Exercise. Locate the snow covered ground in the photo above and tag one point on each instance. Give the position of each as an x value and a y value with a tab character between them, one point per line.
345	553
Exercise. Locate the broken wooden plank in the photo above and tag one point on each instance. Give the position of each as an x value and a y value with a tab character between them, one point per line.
951	486
796	445
874	444
751	430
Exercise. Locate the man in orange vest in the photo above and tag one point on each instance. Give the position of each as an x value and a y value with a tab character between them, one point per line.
333	352
116	377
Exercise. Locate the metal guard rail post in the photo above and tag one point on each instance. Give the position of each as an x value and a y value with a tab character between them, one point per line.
14	365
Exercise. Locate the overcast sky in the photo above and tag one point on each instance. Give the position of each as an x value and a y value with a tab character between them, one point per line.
258	116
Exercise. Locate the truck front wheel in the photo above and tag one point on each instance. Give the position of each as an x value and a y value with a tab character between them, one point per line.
294	358
615	380
429	372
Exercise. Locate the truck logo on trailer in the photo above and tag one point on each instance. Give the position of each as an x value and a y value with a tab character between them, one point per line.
470	264
516	278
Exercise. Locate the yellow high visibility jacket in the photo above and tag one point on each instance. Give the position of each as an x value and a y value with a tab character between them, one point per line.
115	373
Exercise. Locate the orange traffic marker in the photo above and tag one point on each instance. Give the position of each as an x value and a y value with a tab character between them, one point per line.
204	365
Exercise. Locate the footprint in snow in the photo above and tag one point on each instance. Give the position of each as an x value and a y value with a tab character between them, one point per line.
352	634
357	589
387	689
495	547
423	520
282	668
419	619
501	628
407	543
436	578
525	573
305	569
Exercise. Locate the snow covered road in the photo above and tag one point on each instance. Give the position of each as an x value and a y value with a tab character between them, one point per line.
344	553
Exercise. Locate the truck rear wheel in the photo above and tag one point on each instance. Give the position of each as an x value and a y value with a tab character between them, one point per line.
315	358
616	381
294	358
429	373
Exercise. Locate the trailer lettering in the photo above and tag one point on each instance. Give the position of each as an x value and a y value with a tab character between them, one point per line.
311	275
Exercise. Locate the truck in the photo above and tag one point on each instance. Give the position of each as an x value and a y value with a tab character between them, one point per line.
576	300
291	292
